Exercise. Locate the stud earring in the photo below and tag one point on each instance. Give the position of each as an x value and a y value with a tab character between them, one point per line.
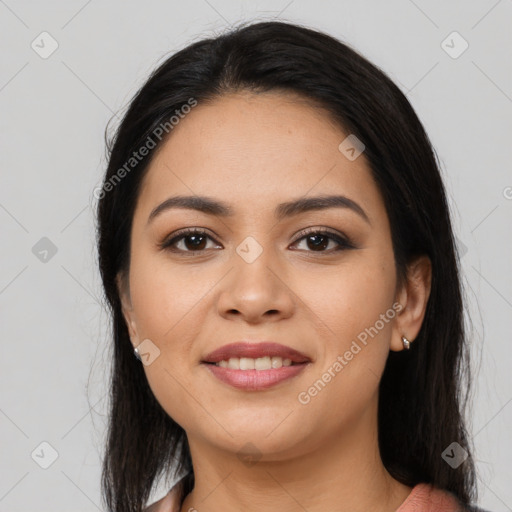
406	342
136	352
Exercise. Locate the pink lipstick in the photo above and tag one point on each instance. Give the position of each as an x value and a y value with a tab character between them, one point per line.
255	366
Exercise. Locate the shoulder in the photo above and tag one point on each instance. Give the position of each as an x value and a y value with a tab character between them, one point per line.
428	498
155	507
425	497
171	502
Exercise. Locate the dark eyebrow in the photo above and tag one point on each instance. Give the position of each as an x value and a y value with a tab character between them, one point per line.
211	206
200	203
306	204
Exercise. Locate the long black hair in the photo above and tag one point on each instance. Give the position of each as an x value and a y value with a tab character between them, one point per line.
421	394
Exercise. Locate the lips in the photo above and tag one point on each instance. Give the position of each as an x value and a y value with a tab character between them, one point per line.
255	350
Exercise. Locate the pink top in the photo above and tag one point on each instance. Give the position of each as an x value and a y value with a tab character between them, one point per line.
423	498
426	498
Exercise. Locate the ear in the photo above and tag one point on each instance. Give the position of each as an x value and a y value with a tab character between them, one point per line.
123	288
413	296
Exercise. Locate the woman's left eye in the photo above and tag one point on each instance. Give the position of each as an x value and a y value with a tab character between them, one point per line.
315	241
319	240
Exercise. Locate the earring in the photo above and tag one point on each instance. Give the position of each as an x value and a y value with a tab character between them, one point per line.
406	342
137	355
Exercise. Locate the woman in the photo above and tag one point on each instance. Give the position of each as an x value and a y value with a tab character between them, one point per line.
276	248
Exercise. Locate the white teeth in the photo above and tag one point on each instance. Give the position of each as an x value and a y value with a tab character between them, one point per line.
234	363
260	363
263	363
246	363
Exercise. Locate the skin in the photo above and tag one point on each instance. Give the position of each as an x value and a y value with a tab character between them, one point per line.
254	151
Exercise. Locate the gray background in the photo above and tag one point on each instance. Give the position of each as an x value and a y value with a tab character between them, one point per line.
53	114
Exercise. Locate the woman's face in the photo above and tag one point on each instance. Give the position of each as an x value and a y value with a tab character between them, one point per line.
256	276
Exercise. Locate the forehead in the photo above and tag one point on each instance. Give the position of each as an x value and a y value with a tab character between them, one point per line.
255	150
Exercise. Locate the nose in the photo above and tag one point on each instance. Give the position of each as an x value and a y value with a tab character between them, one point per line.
255	292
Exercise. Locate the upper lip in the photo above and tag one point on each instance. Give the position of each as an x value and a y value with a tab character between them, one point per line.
254	351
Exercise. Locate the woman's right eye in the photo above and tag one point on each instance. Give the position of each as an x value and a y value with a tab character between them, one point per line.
191	240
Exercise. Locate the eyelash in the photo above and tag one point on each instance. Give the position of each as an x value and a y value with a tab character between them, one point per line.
343	242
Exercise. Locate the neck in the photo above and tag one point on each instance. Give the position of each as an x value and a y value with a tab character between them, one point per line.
342	473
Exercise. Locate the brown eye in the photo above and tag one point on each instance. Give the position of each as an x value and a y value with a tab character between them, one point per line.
318	241
187	241
315	242
194	242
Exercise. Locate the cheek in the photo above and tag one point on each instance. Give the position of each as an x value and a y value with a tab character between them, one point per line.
169	306
163	296
354	314
354	351
350	300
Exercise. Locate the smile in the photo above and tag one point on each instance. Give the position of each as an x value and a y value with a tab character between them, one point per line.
255	374
260	363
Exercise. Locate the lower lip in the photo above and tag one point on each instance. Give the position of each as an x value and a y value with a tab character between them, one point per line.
254	380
